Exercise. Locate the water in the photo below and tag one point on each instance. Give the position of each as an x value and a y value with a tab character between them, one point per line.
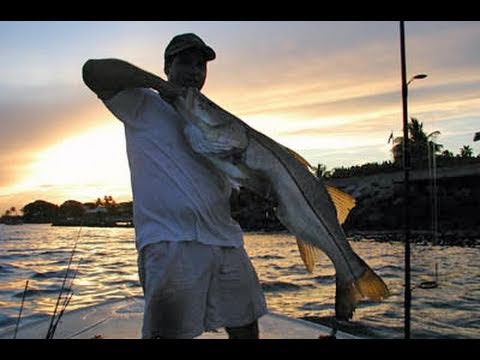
108	270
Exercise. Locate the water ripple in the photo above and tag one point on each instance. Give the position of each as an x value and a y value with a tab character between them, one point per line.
279	286
109	271
54	274
36	292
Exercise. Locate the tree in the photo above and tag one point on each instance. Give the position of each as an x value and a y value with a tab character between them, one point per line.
40	211
321	171
90	205
110	204
466	152
420	142
71	208
447	154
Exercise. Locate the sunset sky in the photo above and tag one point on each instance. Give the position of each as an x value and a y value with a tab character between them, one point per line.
329	90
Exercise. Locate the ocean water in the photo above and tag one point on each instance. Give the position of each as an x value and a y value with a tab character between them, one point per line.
105	261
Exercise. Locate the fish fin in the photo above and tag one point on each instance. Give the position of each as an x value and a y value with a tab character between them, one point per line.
343	202
308	253
234	183
371	286
301	159
257	182
231	170
239	175
368	285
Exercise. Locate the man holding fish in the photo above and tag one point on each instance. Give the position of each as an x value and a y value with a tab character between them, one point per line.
195	273
185	153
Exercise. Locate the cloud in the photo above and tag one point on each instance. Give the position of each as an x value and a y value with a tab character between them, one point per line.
38	115
332	88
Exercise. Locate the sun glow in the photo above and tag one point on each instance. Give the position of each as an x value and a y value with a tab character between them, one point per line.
85	166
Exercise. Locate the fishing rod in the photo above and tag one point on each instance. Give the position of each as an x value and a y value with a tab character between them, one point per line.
66	301
21	309
432	172
52	325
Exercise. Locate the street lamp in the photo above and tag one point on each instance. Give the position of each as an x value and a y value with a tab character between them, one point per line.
418	76
406	167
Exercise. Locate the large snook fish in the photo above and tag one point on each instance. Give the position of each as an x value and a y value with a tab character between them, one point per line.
304	204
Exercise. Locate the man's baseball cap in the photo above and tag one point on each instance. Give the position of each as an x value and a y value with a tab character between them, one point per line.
186	41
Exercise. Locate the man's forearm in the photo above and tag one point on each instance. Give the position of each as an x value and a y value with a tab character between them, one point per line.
107	77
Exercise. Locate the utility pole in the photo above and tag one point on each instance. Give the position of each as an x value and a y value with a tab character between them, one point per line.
406	167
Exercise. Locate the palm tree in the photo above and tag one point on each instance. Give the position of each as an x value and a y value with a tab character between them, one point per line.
320	170
466	151
420	143
447	154
13	210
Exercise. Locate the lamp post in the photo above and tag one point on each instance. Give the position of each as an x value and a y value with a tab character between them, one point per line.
406	167
418	76
406	158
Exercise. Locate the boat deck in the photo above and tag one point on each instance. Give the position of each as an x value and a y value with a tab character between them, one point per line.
122	319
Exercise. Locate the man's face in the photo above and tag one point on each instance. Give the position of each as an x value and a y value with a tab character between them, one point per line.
188	69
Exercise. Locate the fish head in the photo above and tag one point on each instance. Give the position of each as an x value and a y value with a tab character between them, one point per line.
210	129
204	109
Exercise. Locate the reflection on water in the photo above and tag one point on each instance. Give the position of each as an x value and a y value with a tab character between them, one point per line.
108	270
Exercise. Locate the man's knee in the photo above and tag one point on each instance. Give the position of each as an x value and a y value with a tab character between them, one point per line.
249	331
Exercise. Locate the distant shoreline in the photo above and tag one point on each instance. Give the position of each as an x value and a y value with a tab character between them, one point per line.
465	238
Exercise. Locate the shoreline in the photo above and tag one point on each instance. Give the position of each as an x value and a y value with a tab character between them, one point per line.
461	238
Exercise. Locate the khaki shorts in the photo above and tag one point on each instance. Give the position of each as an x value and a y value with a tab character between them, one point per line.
191	287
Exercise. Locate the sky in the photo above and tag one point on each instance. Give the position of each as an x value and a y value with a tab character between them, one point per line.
329	90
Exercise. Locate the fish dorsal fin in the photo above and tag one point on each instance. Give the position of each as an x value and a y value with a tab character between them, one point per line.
300	158
308	253
343	201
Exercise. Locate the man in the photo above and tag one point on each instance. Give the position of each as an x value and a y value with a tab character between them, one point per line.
195	273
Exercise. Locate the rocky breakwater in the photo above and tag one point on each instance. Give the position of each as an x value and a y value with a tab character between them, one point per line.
380	204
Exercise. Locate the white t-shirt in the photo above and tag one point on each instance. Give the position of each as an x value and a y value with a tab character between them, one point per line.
177	194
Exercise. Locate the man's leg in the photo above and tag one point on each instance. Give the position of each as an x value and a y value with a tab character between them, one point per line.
249	331
175	295
240	294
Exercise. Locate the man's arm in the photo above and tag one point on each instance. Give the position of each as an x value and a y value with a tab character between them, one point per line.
107	77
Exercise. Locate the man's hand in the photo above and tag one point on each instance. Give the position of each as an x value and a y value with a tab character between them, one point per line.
168	91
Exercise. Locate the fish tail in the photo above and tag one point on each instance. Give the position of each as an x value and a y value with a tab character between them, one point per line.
372	286
368	285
